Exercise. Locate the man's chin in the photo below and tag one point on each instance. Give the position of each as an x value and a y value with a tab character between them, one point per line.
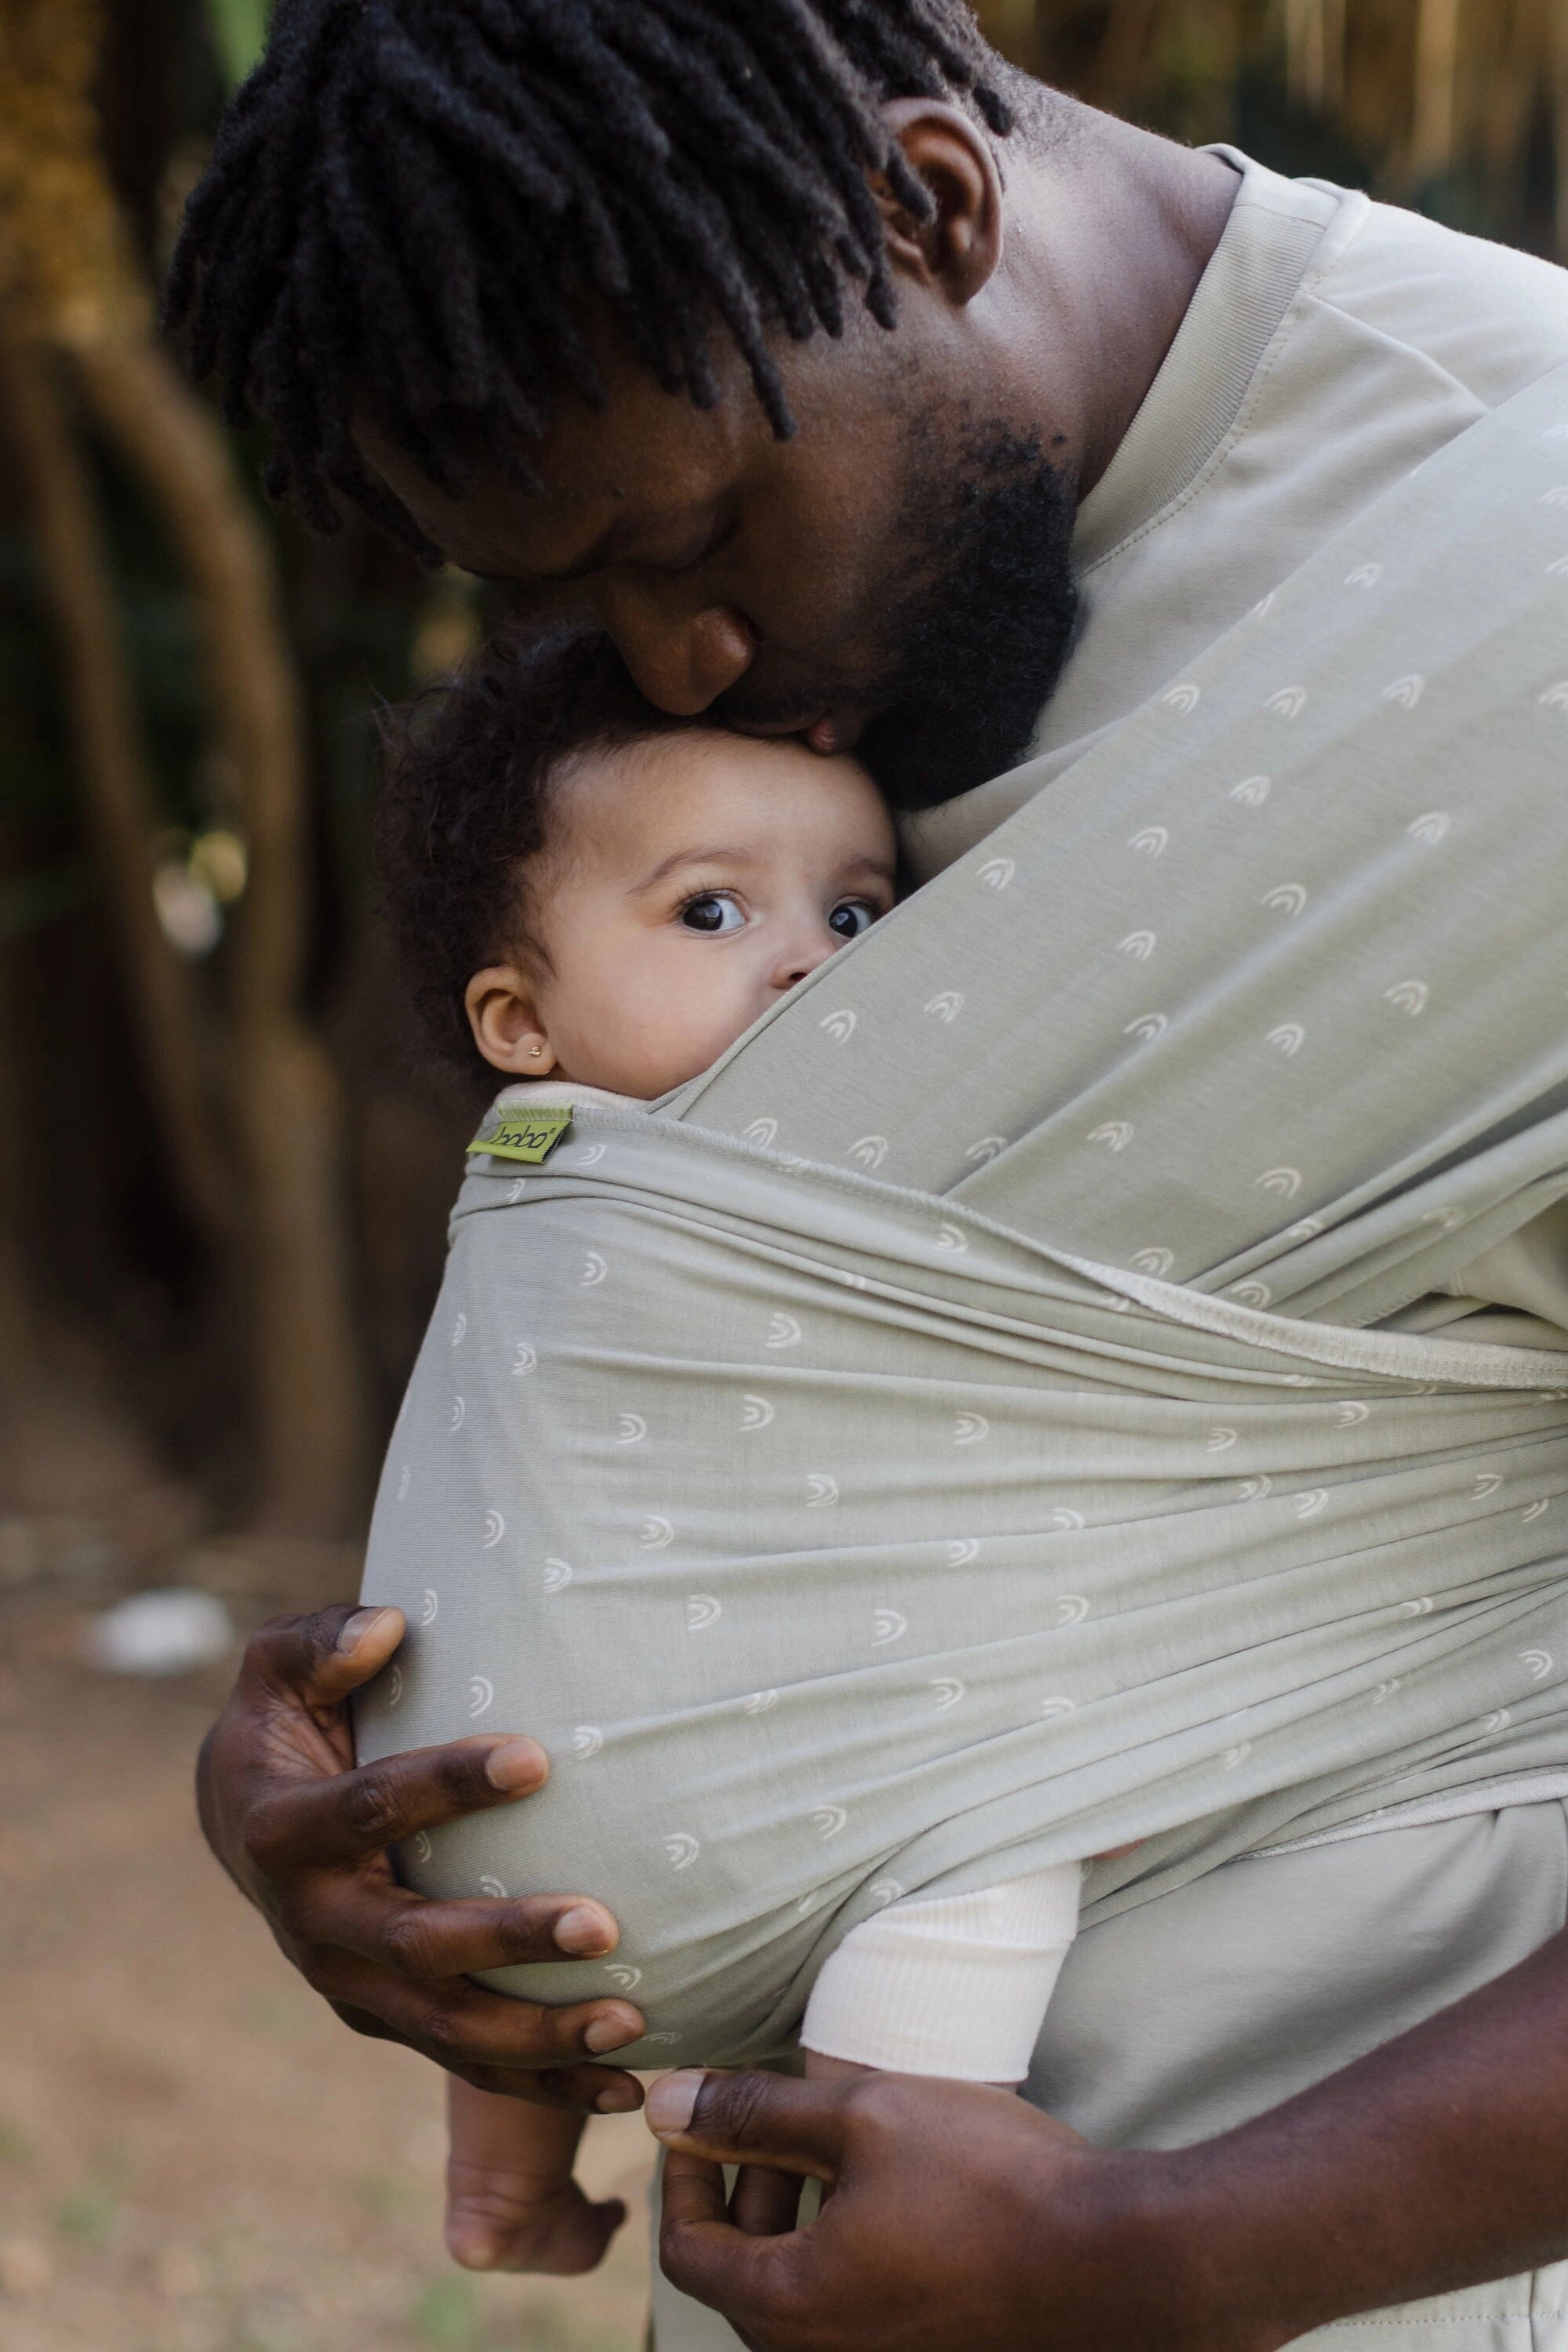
920	757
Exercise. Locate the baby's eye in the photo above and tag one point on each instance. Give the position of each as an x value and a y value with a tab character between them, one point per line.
713	912
851	917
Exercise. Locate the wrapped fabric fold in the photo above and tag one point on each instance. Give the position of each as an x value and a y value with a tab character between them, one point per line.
962	1432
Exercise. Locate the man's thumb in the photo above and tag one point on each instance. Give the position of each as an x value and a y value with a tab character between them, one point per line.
767	2119
320	1659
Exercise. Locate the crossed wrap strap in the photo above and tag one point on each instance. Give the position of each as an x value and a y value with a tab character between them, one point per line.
948	1438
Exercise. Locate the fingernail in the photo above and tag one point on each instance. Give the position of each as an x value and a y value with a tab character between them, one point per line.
516	1764
671	2101
583	1931
609	2032
616	2099
352	1631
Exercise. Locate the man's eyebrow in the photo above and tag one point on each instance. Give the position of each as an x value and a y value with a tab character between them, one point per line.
616	535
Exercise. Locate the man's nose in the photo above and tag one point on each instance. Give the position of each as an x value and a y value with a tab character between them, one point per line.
683	661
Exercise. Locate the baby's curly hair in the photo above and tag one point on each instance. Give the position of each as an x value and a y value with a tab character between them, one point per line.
464	805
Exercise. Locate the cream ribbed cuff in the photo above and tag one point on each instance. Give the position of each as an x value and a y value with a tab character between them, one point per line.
954	1985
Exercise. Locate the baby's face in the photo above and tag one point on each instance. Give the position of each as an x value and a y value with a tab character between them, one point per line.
693	880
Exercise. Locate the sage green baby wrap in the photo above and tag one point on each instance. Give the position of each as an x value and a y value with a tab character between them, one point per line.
947	1437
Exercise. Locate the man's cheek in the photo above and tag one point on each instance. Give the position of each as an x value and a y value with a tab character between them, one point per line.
818	607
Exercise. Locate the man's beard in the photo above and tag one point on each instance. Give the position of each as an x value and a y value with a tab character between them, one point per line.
977	618
980	631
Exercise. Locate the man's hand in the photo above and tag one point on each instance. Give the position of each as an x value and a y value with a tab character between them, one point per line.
960	2216
304	1834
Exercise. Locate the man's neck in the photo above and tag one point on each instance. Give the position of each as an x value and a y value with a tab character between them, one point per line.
1110	231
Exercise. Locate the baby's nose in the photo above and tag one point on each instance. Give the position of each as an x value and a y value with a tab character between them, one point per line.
803	954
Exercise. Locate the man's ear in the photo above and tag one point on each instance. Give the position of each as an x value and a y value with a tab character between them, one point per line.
505	1019
956	249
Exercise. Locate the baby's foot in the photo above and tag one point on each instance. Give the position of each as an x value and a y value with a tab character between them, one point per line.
511	2203
498	2221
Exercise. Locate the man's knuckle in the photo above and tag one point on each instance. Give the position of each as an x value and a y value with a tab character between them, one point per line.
370	1801
263	1837
553	2086
741	2104
875	2111
459	1772
443	2032
787	2290
523	1933
408	1944
273	1649
558	2032
677	2257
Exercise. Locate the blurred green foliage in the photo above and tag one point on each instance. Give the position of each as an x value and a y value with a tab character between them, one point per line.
239	30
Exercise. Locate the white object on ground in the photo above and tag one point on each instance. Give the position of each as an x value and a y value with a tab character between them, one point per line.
167	1632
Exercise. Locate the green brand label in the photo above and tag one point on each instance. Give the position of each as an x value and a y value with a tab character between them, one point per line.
529	1135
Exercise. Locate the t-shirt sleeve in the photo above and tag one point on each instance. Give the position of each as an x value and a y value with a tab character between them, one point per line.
954	1984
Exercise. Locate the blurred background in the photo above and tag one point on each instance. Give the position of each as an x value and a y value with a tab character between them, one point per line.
223	1179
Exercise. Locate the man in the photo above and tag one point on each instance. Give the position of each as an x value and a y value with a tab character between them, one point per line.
860	388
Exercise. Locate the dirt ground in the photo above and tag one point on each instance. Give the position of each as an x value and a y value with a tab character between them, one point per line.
194	2155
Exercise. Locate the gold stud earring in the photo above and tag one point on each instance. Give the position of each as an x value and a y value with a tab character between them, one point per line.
536	1050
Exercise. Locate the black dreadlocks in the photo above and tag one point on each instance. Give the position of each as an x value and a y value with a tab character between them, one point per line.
414	199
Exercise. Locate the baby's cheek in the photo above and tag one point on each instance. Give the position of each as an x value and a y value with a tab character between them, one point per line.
684	1016
710	1018
644	1029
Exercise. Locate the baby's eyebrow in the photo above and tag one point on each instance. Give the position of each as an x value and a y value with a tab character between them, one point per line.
680	858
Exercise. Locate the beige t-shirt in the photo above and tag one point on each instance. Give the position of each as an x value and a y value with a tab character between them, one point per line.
1333	344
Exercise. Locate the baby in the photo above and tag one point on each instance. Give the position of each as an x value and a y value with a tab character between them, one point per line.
598	900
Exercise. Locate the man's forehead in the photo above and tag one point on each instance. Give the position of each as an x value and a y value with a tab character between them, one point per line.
647	452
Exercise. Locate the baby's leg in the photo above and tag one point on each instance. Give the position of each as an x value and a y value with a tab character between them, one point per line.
511	2203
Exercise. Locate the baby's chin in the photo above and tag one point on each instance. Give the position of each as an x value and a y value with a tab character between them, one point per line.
646	1083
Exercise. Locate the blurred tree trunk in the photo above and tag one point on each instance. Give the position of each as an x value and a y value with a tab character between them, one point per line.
102	709
1447	94
1315	52
20	1363
1436	87
72	287
283	1099
59	1441
1012	26
1510	85
1124	47
1556	17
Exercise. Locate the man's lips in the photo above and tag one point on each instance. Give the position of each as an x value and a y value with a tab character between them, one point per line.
827	731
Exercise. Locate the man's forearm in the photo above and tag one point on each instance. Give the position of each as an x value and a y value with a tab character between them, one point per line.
1436	2162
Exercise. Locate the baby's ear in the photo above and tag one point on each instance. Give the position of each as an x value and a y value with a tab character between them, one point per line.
505	1019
